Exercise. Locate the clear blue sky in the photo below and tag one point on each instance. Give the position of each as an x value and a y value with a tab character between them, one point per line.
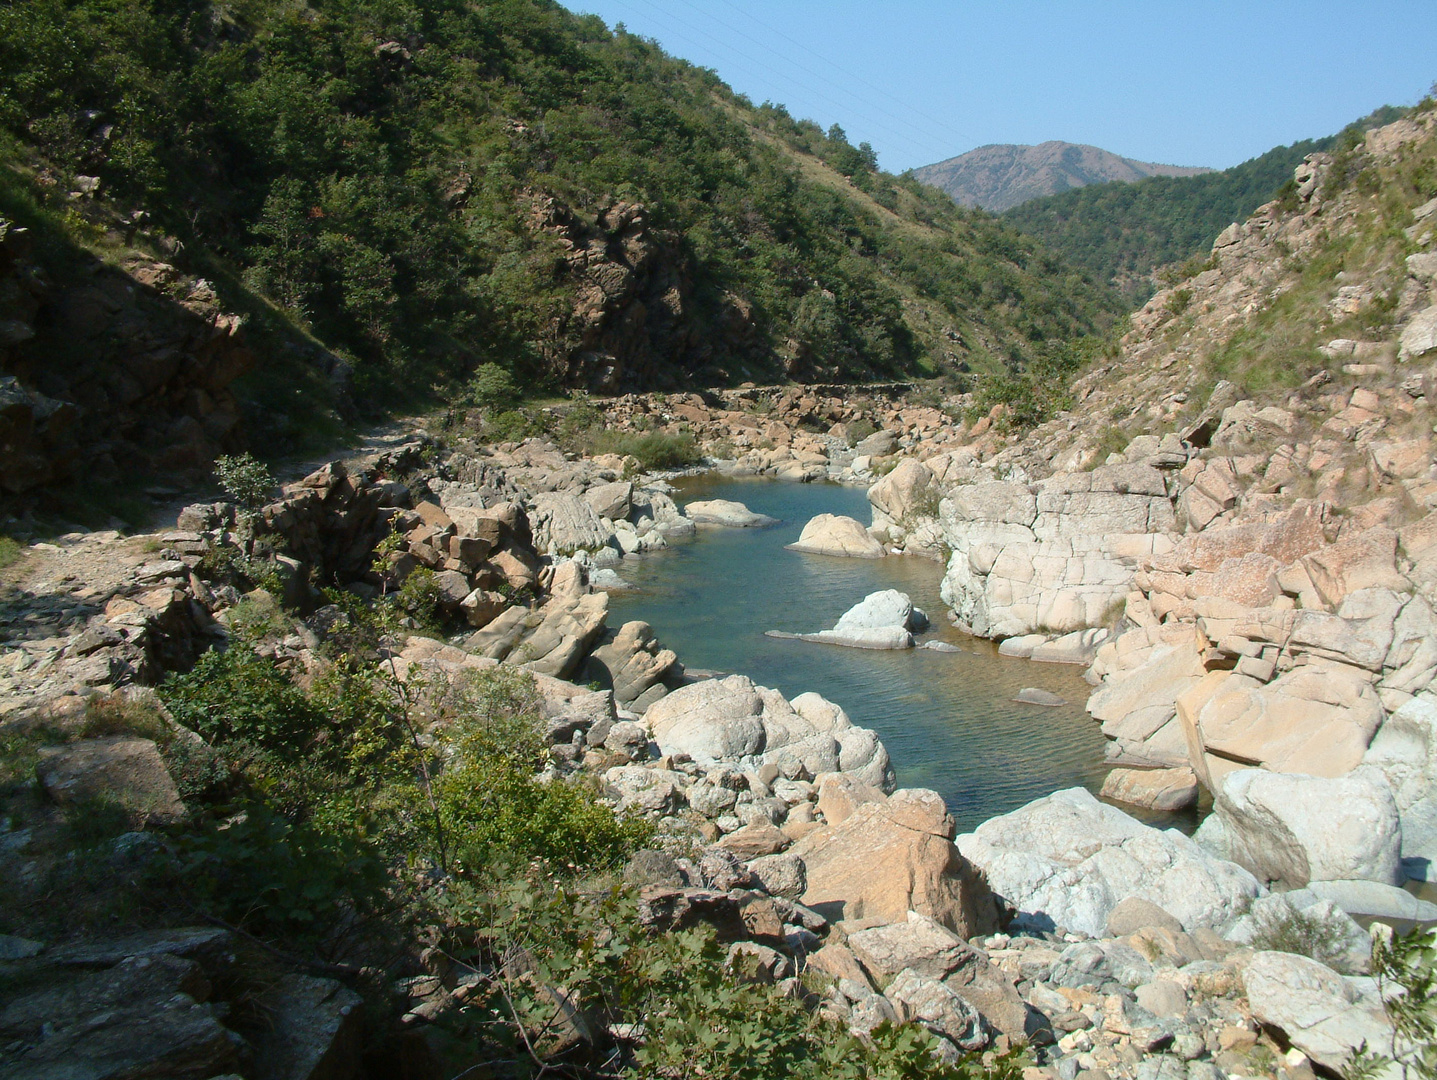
1197	82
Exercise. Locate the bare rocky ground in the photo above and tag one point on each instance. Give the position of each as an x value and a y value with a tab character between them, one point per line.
1244	572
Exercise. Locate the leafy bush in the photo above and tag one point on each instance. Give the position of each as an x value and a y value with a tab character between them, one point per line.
651	449
10	551
238	696
1406	971
492	387
245	479
273	878
533	934
513	425
494	808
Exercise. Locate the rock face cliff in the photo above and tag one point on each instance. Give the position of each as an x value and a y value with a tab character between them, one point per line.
1236	524
633	320
1003	175
114	369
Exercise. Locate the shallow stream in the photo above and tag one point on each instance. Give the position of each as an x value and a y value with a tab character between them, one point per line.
948	719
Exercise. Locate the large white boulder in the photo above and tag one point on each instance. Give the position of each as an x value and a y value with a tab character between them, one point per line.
1292	829
1067	860
833	534
1325	1015
1405	750
711	721
881	609
881	620
726	512
732	720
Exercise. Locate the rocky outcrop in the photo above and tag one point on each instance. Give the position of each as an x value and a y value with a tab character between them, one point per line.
122	772
1056	556
634	319
120	369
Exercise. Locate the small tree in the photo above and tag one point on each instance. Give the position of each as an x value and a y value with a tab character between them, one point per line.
493	388
245	479
1406	970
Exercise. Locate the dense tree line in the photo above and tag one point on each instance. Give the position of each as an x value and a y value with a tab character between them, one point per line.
369	165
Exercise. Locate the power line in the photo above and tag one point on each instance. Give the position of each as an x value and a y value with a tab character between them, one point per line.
940	128
666	19
941	124
731	50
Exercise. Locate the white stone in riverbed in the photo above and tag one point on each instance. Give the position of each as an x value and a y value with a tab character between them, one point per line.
882	620
833	534
734	515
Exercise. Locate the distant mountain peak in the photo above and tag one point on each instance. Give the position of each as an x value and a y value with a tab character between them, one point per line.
1002	175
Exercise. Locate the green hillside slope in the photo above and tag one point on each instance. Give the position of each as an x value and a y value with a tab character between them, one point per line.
430	185
1121	232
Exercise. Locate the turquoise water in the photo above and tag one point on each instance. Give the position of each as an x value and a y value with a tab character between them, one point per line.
948	719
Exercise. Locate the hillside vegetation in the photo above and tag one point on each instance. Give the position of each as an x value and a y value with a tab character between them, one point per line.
429	186
1122	232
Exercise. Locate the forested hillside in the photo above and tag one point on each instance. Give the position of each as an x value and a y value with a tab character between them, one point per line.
1122	232
432	185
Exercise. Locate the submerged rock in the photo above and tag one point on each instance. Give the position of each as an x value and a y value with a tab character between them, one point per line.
1032	695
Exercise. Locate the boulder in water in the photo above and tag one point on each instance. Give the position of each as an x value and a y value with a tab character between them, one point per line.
726	512
832	534
882	620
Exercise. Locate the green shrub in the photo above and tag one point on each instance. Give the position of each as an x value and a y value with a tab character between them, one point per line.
274	878
534	934
493	807
245	479
513	425
492	388
1406	970
10	551
651	449
238	696
418	597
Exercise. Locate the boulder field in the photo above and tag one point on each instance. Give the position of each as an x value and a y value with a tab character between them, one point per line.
1103	942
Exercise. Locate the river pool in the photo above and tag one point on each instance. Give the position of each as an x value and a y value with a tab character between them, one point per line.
948	719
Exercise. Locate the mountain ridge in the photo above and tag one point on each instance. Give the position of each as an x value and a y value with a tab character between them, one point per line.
999	176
